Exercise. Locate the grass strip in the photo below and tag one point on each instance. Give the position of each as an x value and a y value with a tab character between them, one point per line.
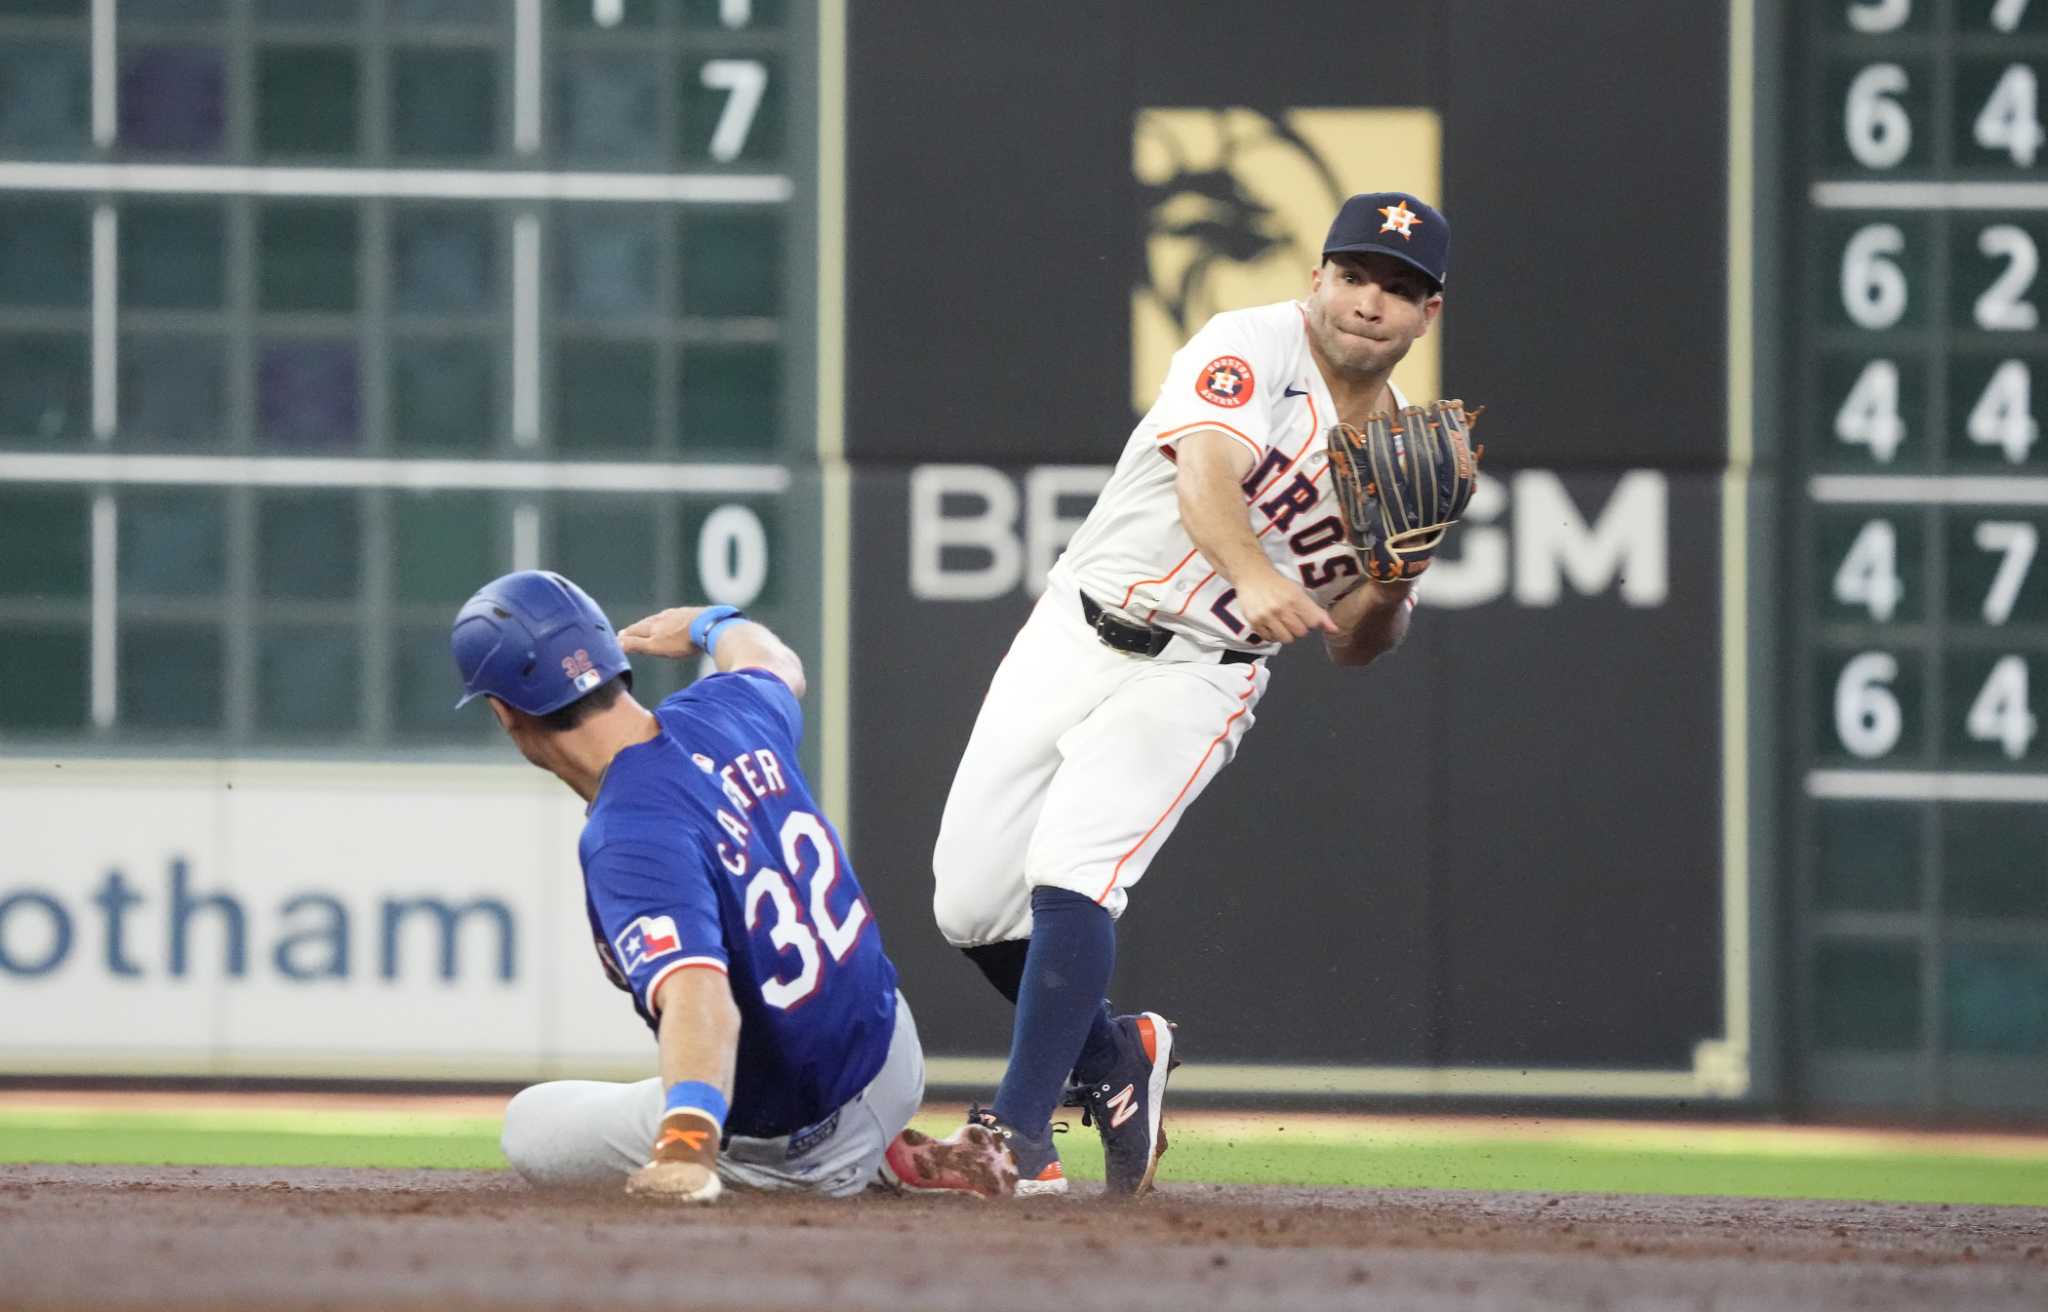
1228	1155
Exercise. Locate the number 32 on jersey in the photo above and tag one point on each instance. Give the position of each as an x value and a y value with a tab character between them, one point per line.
776	896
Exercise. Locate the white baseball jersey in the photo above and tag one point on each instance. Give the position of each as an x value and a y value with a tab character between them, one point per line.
1250	374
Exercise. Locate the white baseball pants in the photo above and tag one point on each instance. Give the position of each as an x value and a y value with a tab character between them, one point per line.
585	1133
1081	764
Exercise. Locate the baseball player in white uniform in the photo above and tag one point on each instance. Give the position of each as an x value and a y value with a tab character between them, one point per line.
1216	542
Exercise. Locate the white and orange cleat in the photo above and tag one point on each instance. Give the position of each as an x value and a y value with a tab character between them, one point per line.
974	1161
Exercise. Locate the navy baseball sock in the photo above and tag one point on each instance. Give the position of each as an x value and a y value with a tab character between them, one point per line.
1098	1053
1073	949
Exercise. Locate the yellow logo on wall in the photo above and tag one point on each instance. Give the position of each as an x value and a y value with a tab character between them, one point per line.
1236	204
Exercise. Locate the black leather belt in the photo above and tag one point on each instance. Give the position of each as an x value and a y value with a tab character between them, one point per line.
1142	639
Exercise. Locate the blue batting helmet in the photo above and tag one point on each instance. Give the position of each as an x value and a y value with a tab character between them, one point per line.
535	641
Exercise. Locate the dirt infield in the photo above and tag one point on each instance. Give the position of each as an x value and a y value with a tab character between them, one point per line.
232	1238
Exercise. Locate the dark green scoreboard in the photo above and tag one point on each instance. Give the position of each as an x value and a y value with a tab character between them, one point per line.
1918	488
314	314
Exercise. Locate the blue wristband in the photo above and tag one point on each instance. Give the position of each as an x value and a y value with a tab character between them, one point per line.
697	1096
706	625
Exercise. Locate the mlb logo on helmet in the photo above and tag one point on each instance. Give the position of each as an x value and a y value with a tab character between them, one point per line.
1397	224
582	675
648	938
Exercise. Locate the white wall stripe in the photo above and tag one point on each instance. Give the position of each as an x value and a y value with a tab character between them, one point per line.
1366	1081
106	311
526	99
1952	490
1733	1049
105	588
1926	786
526	536
1930	195
105	74
526	330
422	475
426	184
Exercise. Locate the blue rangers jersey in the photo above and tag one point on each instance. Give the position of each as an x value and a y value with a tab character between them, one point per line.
704	849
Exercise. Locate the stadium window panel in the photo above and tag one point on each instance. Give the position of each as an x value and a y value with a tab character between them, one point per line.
45	388
1869	856
306	257
173	543
171	11
654	682
445	103
605	261
605	395
444	394
170	675
173	100
752	15
1866	996
1994	860
311	11
172	255
424	688
309	545
45	671
306	100
447	11
308	679
45	97
45	543
443	259
732	264
728	119
1995	999
607	106
43	250
308	394
607	544
447	547
731	398
172	389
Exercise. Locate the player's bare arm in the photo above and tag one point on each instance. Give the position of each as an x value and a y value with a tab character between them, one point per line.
1212	466
1373	619
700	1039
741	644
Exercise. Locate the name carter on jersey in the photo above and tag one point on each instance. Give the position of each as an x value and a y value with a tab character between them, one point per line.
761	774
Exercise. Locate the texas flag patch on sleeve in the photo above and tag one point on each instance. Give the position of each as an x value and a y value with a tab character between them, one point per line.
649	938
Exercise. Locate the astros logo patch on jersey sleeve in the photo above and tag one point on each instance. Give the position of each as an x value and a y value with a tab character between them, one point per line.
1225	381
649	938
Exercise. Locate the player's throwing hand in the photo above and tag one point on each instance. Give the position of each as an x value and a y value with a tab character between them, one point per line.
1278	608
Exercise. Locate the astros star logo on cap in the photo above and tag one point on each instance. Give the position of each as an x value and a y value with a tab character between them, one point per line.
1399	218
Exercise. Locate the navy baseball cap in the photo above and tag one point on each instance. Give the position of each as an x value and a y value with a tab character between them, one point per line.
1397	224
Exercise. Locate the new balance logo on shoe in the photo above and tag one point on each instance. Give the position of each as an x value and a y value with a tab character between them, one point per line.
1123	1104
